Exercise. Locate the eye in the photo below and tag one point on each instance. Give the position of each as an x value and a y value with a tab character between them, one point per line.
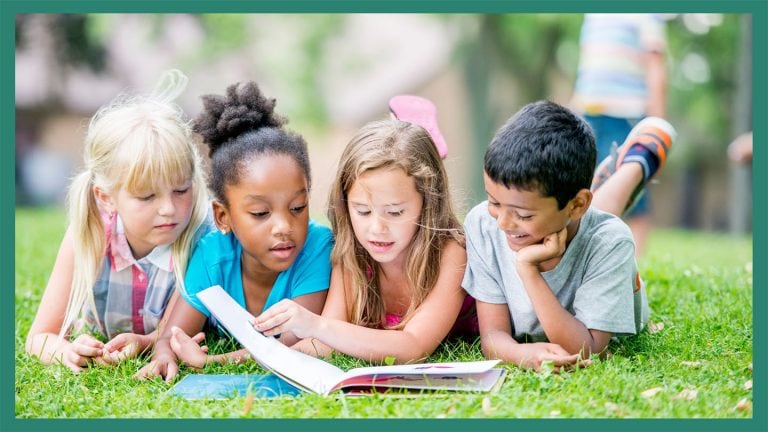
260	214
145	197
493	204
298	209
524	218
363	212
181	191
396	213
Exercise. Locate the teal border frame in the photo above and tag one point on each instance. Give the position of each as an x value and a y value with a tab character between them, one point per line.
8	10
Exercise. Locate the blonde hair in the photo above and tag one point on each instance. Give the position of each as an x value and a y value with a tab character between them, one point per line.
133	143
392	144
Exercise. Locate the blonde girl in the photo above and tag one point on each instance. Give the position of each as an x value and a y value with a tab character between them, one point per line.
399	255
135	210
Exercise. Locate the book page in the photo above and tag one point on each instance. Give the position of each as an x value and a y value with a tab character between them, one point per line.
425	369
304	371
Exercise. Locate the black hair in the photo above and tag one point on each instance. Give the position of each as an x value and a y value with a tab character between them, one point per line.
241	126
544	147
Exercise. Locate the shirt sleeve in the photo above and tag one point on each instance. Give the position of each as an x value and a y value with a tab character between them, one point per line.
314	273
479	280
197	279
605	300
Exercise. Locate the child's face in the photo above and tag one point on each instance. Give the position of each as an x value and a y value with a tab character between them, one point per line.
268	212
526	217
153	217
385	207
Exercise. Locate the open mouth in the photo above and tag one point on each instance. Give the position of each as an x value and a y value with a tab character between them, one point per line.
381	246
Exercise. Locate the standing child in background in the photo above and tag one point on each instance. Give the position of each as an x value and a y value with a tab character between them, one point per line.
399	255
134	212
621	79
544	266
267	248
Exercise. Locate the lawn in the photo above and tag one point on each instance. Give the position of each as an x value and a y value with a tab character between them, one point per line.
695	362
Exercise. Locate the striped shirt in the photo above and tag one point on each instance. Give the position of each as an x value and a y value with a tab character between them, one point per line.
611	79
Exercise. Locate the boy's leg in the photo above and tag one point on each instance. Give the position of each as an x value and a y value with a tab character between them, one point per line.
620	178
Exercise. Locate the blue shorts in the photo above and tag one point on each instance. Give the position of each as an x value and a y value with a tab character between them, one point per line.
607	131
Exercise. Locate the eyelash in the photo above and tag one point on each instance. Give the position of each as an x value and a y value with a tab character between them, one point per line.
294	210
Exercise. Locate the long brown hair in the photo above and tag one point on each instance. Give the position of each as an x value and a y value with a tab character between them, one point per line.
392	144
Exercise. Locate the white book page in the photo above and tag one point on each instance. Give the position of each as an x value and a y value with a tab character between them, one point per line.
425	369
304	371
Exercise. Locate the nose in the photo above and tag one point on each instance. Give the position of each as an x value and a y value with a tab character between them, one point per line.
281	225
167	206
379	224
505	220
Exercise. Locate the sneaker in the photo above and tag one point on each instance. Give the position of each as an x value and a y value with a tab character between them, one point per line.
656	135
420	111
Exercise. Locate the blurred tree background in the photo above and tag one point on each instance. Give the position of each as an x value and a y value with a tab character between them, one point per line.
311	63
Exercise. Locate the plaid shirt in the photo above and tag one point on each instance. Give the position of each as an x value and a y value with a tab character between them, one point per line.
130	295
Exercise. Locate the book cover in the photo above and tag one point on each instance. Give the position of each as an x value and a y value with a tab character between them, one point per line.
317	376
206	386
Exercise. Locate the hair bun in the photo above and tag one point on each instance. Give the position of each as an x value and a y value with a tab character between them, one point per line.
243	109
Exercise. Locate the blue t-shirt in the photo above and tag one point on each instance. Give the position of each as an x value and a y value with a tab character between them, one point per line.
216	261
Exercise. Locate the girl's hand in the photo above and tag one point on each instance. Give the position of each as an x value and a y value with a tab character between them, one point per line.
124	346
81	352
552	246
286	316
188	349
533	355
162	365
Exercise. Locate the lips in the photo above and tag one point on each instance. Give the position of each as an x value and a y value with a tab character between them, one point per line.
166	227
283	250
380	247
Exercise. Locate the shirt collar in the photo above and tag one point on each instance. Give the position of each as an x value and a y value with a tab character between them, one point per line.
122	257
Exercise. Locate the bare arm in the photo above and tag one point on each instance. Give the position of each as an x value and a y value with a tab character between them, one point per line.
43	337
497	342
417	340
164	361
656	80
559	325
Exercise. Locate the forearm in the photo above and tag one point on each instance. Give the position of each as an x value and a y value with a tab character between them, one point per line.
313	347
234	357
46	346
500	345
373	345
559	325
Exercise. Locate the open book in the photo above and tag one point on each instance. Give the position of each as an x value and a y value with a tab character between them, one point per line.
317	376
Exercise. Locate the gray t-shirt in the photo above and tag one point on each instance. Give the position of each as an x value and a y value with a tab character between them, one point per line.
596	280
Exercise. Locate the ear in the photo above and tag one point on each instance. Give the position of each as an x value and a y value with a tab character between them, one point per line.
104	199
221	216
579	204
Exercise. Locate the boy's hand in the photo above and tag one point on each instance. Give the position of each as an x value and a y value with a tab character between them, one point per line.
552	246
533	355
124	346
188	349
286	316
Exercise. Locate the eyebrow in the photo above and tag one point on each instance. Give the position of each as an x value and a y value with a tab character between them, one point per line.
254	197
385	205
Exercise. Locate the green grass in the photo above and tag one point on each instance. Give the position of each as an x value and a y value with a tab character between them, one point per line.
699	285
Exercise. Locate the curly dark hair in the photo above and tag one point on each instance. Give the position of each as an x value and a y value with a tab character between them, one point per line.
240	127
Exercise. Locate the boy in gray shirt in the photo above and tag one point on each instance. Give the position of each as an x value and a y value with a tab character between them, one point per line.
553	274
